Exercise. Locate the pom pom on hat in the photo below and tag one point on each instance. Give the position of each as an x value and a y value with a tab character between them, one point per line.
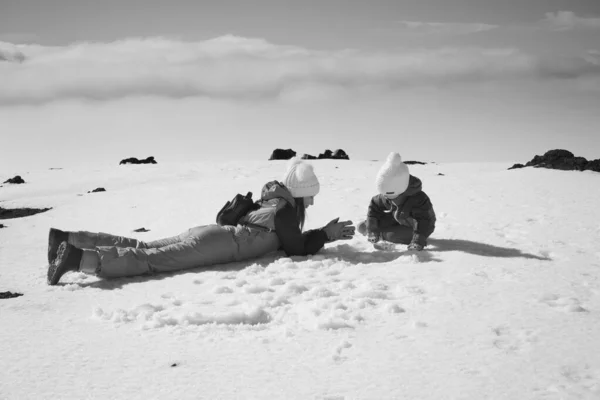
300	179
392	178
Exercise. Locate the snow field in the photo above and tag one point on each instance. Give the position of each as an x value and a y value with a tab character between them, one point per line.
503	304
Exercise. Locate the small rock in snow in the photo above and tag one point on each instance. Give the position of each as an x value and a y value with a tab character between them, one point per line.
9	295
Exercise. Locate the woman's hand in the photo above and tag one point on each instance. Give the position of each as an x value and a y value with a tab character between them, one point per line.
336	230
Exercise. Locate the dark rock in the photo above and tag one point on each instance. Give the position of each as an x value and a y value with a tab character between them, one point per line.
414	162
2	226
339	154
6	213
133	160
517	166
54	169
562	160
9	295
174	365
558	159
557	154
593	165
281	154
141	230
440	174
97	190
308	157
16	180
326	155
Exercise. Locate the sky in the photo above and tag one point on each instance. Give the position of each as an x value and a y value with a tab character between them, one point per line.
436	80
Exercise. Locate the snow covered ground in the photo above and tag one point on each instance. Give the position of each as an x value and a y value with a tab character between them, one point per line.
505	304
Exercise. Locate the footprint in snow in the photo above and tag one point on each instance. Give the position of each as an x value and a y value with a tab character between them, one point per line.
504	339
276	282
394	308
578	381
337	353
568	304
222	289
255	289
416	290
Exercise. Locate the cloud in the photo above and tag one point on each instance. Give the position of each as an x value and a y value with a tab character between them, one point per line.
567	20
237	68
593	57
441	28
9	53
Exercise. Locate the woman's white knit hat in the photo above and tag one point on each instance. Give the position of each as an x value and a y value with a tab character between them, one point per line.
300	179
392	178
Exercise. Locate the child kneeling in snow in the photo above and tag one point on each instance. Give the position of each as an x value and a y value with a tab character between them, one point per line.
401	212
277	224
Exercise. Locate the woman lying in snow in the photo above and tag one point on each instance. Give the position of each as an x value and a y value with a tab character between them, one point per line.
401	212
281	214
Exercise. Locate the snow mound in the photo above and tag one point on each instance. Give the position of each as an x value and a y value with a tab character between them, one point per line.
157	317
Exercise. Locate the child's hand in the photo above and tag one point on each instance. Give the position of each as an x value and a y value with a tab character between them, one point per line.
373	237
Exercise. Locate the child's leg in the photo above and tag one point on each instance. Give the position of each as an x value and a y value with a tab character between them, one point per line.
404	235
210	245
398	234
384	224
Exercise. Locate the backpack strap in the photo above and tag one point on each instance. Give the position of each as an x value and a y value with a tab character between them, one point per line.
258	227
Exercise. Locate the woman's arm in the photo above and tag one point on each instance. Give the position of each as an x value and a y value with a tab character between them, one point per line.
293	241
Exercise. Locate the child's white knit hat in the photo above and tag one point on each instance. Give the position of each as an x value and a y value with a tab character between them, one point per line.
300	179
392	178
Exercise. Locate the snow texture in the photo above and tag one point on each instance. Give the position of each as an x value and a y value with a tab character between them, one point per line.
503	304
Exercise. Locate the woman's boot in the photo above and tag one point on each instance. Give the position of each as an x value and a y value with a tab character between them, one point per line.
55	238
67	258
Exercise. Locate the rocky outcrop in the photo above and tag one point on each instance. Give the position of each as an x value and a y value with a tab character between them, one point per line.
593	165
97	190
338	154
563	160
16	180
9	213
516	166
326	155
9	295
282	154
133	160
142	229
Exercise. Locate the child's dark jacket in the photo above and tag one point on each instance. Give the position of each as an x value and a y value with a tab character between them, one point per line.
412	208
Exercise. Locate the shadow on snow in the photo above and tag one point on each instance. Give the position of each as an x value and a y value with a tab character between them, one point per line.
342	252
480	249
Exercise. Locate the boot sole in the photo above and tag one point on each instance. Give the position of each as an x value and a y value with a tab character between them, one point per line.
58	267
54	240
